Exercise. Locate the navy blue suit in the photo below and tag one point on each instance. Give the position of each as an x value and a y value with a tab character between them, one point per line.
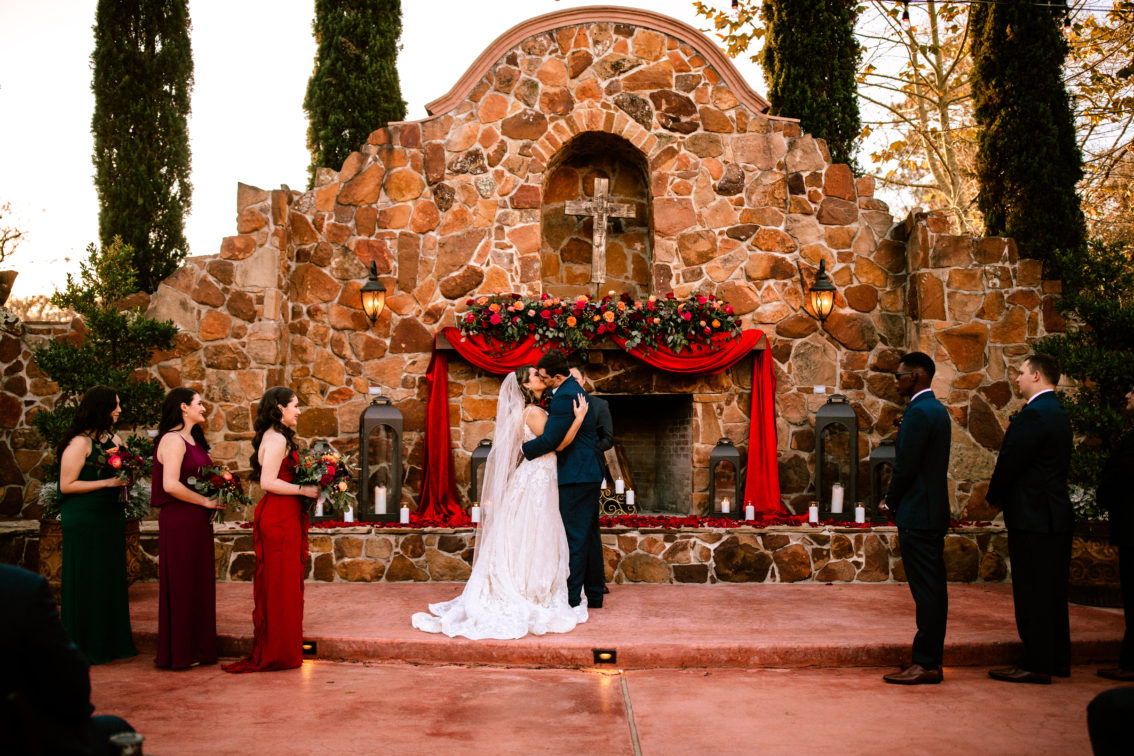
919	497
1116	496
579	478
1030	484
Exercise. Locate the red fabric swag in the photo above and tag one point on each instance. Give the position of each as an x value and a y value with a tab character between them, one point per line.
762	480
439	498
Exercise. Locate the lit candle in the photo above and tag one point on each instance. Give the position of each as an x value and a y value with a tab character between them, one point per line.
475	512
630	497
348	516
319	507
724	505
860	513
749	511
605	485
380	500
837	499
813	514
620	486
404	518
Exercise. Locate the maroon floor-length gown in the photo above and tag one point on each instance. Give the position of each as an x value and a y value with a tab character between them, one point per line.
280	534
187	604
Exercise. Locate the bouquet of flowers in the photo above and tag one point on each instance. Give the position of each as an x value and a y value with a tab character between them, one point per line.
137	501
332	472
221	484
126	464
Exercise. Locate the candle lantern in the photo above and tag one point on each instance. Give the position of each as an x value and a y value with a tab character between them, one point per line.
881	467
479	457
836	457
379	461
731	480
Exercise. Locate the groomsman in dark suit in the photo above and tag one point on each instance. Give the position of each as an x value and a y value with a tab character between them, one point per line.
918	497
1115	494
604	429
1029	484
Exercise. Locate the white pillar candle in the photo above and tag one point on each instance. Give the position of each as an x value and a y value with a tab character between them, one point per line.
475	513
813	514
837	499
605	485
380	500
404	516
724	505
749	511
348	516
860	513
630	498
319	508
620	486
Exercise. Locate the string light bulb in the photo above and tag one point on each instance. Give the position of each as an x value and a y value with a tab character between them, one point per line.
906	15
1068	30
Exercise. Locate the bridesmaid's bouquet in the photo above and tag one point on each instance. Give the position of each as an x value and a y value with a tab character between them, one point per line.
221	484
124	463
332	472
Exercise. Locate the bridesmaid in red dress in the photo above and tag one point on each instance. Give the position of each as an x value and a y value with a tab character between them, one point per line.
280	535
187	602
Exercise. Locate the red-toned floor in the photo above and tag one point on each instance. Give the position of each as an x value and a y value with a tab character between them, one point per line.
743	700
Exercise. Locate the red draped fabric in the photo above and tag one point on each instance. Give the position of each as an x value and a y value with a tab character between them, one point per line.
762	480
439	498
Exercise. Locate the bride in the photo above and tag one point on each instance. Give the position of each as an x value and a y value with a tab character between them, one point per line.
518	583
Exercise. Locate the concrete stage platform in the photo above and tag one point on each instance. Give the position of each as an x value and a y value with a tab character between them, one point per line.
717	626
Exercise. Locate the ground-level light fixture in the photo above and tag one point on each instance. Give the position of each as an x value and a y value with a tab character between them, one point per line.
373	295
605	655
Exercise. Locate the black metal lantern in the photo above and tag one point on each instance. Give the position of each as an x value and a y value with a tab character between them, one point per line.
479	457
836	458
821	295
379	461
725	451
373	295
882	459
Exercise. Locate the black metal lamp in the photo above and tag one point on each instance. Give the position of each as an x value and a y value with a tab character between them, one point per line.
726	452
380	461
479	457
836	418
822	293
373	295
882	459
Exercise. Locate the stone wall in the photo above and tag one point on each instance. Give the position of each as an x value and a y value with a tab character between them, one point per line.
692	555
469	201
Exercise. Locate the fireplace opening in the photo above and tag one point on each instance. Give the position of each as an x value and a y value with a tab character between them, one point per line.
653	452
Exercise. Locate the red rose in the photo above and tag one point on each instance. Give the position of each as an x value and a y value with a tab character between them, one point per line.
546	314
470	318
516	319
496	319
686	315
728	309
701	300
227	476
114	461
326	479
670	296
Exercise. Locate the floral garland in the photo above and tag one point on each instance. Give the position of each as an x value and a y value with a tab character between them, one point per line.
573	324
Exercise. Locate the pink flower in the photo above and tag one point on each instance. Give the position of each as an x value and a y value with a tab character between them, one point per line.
470	318
546	314
701	300
686	315
728	309
496	319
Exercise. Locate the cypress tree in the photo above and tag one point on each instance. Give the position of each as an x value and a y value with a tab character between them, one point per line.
143	76
810	59
354	88
1028	162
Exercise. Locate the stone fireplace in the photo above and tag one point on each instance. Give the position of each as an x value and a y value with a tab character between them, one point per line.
654	440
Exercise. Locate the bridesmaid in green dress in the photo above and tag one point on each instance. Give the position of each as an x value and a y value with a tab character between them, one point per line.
95	606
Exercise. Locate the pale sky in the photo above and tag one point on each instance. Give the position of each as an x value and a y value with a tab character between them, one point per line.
252	61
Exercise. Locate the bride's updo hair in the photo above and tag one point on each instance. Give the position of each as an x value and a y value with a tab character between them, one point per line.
523	374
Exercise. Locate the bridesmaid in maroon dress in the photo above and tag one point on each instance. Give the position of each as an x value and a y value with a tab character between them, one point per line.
187	606
280	535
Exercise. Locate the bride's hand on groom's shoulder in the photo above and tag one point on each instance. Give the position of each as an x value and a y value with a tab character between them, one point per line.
580	406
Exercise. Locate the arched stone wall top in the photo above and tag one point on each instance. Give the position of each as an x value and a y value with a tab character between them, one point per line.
582	120
602	14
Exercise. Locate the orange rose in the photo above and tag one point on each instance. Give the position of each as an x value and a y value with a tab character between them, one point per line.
571	321
482	300
716	324
608	316
621	305
494	307
597	318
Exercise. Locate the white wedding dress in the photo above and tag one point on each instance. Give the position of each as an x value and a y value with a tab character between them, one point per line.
518	583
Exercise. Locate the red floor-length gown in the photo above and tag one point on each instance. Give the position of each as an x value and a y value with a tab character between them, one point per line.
280	534
187	603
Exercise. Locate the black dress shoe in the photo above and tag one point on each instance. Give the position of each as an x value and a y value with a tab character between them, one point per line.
1017	675
1117	673
915	674
605	589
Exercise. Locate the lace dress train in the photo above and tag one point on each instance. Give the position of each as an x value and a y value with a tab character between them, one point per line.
518	583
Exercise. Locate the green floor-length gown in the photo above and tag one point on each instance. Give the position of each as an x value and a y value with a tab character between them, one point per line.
96	606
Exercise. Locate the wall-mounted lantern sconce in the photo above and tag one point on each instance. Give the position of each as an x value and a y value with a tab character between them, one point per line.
821	294
373	295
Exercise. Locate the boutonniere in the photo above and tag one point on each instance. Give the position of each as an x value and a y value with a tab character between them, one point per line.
1012	416
545	401
898	421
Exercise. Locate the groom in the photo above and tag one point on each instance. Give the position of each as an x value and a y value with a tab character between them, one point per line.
579	478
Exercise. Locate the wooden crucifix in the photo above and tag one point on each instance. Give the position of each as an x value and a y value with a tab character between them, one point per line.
600	208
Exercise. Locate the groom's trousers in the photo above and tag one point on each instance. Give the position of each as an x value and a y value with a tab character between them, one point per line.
578	506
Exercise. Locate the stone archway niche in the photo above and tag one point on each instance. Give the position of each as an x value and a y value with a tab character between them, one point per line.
566	251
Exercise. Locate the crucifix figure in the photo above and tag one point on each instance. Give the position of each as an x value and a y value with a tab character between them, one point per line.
600	208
